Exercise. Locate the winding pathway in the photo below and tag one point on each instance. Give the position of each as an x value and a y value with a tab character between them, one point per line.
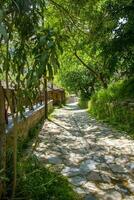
98	161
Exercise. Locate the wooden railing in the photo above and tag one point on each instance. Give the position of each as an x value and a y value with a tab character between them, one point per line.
58	97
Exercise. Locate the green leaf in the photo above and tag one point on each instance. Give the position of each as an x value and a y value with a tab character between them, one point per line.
3	31
1	15
43	40
50	70
44	58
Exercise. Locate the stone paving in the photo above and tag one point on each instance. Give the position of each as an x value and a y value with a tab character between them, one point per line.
98	161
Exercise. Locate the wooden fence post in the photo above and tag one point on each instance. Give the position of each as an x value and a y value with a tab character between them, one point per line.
2	142
45	97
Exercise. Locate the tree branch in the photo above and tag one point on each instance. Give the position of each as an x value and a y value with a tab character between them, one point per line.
87	66
64	9
73	18
97	75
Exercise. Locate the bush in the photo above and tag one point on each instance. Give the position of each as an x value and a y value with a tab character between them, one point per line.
114	105
36	182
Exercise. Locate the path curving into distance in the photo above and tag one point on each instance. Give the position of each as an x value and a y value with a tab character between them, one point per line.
98	161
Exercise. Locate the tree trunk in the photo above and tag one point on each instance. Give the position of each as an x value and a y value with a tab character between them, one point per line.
52	88
14	156
104	83
15	137
2	142
96	74
45	97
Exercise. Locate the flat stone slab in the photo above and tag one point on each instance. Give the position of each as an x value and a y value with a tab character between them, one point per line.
117	168
70	171
77	180
130	186
54	160
87	166
109	159
95	177
91	187
80	191
90	197
112	195
105	178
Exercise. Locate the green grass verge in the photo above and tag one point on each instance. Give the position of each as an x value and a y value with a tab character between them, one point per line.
36	182
115	105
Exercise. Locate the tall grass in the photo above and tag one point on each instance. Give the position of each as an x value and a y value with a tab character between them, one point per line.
36	182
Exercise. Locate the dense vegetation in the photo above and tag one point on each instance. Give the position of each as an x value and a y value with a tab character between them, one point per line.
115	105
92	41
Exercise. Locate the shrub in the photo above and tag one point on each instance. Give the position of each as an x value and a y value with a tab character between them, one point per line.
113	105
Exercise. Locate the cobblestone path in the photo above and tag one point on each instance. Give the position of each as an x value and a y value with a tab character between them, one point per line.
98	161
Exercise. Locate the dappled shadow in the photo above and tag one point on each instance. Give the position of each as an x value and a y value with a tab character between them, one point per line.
72	106
94	157
57	124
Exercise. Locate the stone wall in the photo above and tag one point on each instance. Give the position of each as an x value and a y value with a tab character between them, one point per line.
28	123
